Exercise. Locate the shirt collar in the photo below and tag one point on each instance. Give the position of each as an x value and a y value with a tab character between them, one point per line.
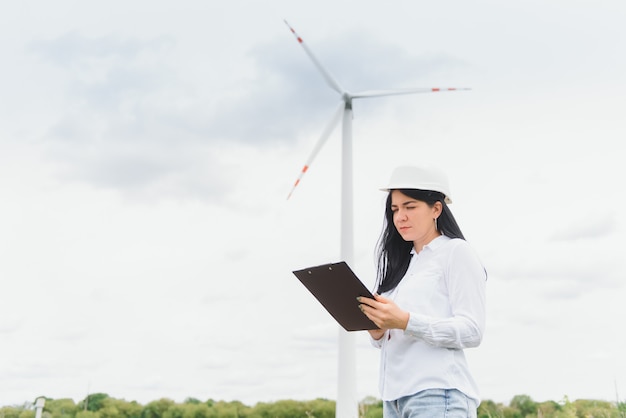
434	244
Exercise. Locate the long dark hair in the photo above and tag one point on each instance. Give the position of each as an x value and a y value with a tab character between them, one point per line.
394	253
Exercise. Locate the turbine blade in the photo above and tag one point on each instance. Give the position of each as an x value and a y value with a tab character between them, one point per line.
329	78
379	93
320	143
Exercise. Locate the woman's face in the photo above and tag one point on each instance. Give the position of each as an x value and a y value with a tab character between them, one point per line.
414	219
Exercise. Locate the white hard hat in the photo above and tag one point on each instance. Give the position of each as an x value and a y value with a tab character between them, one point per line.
421	178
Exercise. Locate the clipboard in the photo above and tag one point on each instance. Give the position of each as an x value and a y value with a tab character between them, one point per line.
336	287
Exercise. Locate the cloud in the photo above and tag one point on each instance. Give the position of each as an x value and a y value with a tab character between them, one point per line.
286	96
73	48
131	123
563	269
123	125
107	72
592	226
10	325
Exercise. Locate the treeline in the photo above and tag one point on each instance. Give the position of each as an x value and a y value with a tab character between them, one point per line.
101	405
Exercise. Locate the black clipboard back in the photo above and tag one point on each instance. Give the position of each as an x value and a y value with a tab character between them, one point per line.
336	287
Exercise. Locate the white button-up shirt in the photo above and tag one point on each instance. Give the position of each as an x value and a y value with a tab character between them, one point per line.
444	291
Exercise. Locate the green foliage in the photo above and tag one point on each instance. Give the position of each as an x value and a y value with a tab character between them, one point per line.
223	409
524	404
10	412
511	412
25	411
156	409
61	408
489	409
175	411
596	409
100	405
93	402
117	408
319	408
371	407
87	414
567	411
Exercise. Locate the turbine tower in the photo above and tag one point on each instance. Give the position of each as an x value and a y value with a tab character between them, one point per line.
347	402
39	404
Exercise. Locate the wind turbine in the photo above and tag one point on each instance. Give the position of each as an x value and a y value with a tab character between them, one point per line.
347	402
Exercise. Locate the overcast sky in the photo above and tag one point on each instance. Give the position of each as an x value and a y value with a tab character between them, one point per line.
147	149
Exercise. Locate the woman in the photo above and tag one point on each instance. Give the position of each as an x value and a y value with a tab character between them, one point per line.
429	304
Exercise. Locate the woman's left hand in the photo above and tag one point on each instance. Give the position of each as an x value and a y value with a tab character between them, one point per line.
384	312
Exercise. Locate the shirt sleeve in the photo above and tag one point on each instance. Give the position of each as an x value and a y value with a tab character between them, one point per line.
466	283
379	342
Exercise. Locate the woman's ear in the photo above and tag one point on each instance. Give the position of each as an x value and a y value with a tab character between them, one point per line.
437	209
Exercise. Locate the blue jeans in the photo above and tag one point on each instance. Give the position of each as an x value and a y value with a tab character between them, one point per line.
431	403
